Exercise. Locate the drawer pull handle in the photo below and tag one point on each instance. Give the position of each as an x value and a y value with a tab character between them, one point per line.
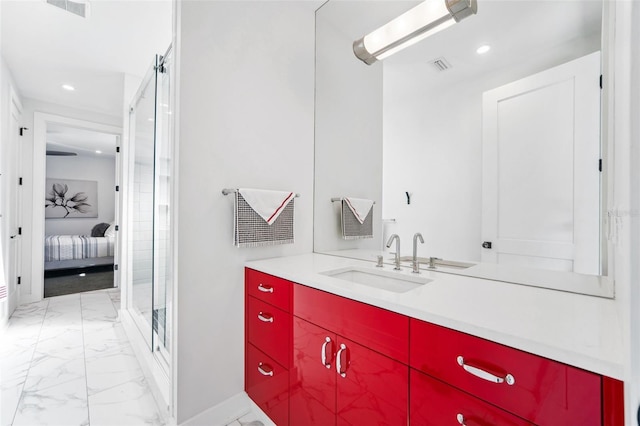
268	372
265	317
485	374
326	363
343	348
460	419
265	288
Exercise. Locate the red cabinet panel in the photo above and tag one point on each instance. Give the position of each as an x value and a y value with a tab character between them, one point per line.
434	403
269	329
378	329
312	382
612	402
372	389
544	391
267	383
268	288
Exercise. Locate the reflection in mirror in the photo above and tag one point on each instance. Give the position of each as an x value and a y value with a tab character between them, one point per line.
500	149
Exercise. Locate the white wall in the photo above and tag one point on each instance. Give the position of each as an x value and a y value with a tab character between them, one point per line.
433	150
84	167
245	109
30	107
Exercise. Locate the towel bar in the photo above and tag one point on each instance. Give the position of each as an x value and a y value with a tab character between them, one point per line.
227	191
333	200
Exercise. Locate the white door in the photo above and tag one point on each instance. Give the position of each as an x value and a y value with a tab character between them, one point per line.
541	176
14	210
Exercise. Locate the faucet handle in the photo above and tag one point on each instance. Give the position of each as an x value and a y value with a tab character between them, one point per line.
379	264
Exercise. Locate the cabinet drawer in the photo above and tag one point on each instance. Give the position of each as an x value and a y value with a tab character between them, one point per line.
542	391
267	383
268	288
269	329
381	330
434	403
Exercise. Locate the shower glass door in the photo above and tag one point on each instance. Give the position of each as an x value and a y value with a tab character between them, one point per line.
150	180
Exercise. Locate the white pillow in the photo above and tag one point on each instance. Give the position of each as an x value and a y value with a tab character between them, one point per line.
111	230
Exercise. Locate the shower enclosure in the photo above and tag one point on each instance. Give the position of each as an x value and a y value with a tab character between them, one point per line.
150	198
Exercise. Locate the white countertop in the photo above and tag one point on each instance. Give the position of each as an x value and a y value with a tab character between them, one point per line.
583	331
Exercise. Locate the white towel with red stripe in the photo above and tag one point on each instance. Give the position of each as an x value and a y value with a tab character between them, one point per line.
359	206
268	204
263	217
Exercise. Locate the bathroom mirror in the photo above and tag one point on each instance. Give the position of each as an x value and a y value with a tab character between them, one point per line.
424	133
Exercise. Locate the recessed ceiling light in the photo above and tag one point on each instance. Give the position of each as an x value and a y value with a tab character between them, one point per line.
483	49
98	151
68	87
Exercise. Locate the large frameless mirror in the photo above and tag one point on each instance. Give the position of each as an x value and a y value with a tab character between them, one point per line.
484	137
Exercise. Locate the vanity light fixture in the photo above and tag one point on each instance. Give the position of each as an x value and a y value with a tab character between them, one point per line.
483	49
417	23
68	87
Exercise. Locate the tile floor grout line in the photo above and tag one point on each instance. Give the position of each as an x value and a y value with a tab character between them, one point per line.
44	316
84	358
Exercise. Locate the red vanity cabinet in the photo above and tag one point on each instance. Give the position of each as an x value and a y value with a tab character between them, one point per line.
314	358
268	343
343	367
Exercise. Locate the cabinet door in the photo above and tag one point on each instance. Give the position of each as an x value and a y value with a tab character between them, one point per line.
267	383
269	329
312	382
372	389
434	403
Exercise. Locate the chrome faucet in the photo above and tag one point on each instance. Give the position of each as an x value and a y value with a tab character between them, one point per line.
415	264
397	258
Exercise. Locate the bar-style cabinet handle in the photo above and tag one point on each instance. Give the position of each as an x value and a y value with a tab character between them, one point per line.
267	372
342	374
265	317
265	288
327	341
485	375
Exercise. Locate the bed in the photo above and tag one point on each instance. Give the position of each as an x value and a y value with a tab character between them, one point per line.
66	254
73	247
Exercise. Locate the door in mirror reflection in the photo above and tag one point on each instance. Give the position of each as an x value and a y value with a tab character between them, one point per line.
541	174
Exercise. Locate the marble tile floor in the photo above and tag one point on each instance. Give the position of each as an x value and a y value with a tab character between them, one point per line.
66	361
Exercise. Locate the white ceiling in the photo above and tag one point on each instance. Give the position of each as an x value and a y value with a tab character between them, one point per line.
45	47
81	141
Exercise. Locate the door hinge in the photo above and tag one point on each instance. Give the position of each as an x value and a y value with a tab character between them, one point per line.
601	81
117	228
117	188
117	149
115	267
19	181
19	280
600	164
22	129
486	244
20	230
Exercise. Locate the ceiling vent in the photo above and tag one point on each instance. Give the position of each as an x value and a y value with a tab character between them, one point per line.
440	64
80	8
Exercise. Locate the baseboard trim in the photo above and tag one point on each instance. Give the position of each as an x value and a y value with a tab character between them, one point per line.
228	411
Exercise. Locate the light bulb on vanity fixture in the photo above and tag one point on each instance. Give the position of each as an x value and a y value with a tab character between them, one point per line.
417	23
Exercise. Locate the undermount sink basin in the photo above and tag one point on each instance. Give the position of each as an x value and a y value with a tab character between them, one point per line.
385	280
453	264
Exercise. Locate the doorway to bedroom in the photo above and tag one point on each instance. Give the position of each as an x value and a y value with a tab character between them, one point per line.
80	210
